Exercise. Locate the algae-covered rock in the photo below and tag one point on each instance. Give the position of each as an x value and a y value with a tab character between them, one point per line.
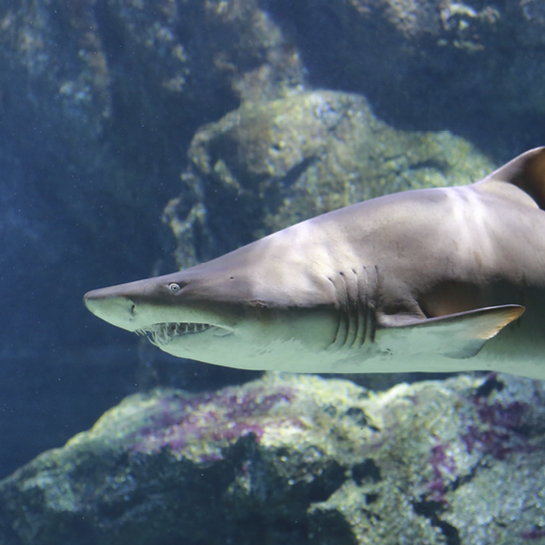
475	67
294	460
272	164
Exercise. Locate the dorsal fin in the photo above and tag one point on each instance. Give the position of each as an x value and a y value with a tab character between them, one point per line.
527	172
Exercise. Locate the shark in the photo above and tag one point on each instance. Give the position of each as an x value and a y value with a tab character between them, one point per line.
429	280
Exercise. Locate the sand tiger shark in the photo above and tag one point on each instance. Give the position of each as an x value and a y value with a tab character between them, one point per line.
442	279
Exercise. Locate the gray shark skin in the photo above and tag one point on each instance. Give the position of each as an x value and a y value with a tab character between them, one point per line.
443	279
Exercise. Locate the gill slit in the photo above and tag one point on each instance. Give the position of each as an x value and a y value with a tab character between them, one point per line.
356	320
339	317
354	308
363	305
345	306
375	290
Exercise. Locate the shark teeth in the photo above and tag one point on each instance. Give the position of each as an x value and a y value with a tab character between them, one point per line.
161	334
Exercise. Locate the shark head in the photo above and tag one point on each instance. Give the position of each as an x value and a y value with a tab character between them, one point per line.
234	310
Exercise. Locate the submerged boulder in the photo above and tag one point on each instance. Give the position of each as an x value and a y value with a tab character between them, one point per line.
294	460
474	67
274	163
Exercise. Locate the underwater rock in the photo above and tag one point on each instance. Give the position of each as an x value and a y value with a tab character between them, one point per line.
472	67
295	460
272	164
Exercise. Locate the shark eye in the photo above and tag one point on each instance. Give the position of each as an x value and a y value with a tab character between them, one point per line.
174	287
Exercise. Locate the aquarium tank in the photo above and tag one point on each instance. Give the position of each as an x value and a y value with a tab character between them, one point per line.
370	371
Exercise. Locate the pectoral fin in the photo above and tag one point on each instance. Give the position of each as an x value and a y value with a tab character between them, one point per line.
459	335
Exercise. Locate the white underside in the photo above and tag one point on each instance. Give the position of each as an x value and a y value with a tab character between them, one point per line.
505	353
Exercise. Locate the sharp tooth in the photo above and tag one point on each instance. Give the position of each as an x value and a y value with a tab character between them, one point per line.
159	334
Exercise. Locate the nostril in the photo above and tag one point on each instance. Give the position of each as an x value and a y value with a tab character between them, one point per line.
133	309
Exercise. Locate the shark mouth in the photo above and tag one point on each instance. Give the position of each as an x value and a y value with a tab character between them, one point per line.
161	334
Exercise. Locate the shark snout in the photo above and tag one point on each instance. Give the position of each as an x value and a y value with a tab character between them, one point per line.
115	309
